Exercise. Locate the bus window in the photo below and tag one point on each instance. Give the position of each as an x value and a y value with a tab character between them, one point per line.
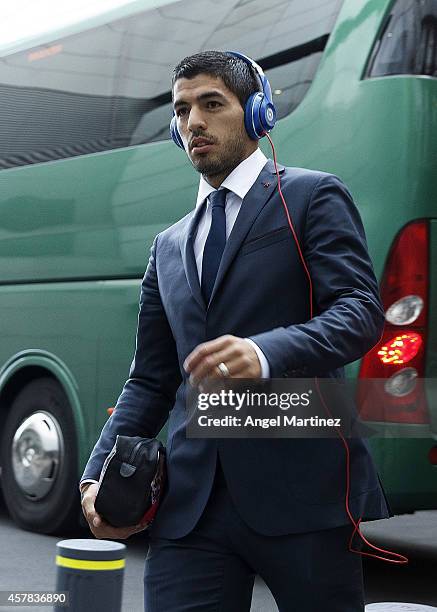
108	87
408	42
56	100
287	38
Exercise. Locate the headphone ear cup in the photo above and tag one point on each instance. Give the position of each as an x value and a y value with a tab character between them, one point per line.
174	132
252	119
267	115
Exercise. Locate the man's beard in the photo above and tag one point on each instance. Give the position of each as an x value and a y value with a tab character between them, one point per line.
211	165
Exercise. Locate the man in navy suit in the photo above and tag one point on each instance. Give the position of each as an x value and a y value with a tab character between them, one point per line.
225	294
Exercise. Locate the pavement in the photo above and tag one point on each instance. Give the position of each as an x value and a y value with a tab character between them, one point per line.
408	534
396	606
27	562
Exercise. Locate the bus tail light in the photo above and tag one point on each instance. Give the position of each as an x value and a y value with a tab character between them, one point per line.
399	356
400	349
405	311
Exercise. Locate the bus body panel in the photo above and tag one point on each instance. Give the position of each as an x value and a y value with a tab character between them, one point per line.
88	326
92	216
71	262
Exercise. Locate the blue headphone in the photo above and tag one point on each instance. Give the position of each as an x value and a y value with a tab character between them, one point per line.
259	112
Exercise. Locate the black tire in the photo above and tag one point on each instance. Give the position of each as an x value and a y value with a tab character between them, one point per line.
56	511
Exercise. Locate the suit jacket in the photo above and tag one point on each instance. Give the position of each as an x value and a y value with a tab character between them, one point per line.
279	486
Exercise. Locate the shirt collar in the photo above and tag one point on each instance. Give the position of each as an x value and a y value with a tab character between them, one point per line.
240	180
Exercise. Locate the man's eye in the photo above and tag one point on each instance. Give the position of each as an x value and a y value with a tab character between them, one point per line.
181	112
213	104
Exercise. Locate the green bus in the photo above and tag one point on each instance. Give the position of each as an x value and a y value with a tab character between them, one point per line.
85	161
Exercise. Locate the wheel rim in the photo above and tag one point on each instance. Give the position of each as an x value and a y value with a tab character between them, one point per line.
37	453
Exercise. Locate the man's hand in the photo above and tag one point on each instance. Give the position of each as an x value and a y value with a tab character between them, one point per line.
236	354
99	527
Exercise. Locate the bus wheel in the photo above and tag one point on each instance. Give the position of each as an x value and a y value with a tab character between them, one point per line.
38	455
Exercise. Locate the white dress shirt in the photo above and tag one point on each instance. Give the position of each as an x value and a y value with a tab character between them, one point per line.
238	182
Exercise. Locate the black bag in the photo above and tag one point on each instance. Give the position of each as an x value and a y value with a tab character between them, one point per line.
131	481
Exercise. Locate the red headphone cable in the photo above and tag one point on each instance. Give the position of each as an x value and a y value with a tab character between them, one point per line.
397	557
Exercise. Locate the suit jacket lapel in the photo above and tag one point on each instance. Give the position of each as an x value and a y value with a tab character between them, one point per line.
186	243
254	201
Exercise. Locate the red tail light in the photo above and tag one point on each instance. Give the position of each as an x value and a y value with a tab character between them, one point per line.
399	356
400	349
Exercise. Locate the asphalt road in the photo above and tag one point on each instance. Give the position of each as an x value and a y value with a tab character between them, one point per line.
27	563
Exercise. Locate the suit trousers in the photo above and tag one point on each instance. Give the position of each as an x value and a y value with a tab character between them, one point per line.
213	568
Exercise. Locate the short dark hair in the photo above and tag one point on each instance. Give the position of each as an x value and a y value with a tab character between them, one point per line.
236	74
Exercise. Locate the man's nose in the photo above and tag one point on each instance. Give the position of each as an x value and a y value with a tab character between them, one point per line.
196	120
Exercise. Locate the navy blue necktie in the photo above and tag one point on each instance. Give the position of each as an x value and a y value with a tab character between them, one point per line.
215	242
